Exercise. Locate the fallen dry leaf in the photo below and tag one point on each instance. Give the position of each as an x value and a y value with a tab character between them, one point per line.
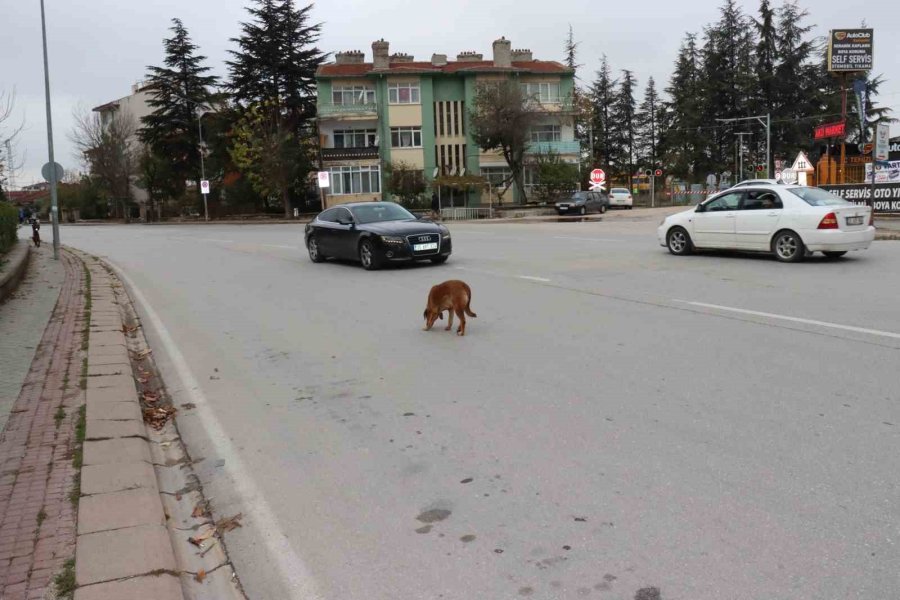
200	576
200	510
157	416
145	353
229	523
197	539
150	397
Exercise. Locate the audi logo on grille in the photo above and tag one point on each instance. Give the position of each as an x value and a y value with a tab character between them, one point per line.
424	238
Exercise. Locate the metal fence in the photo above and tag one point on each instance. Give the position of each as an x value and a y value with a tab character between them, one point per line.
463	213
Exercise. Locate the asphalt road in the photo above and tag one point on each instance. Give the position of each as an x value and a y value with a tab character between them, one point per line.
611	422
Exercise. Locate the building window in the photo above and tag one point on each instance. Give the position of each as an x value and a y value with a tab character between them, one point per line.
353	94
403	93
354	138
545	133
406	137
496	175
355	180
545	93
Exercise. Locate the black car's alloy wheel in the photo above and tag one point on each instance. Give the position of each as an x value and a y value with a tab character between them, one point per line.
583	211
367	256
312	245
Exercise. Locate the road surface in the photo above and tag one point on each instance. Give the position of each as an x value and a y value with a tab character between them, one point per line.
616	418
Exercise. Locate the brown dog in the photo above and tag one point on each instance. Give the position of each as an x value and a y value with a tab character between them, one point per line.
453	296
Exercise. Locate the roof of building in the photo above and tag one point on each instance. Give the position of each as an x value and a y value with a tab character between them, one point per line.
485	66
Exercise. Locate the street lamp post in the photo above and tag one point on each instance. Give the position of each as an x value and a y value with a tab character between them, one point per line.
54	209
200	114
768	123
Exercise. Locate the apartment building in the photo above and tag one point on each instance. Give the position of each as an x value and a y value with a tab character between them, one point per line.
396	109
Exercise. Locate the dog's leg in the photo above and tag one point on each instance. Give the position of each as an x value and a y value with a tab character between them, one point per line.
449	320
461	330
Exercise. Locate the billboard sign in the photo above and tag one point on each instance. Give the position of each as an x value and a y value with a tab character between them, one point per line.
850	50
831	130
887	196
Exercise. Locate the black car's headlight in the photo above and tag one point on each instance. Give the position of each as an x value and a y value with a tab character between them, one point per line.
392	239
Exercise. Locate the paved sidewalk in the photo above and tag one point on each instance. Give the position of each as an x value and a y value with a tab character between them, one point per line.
23	318
37	448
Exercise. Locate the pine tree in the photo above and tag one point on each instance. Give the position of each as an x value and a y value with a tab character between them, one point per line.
571	50
648	117
624	124
766	57
796	81
602	98
682	149
178	91
274	71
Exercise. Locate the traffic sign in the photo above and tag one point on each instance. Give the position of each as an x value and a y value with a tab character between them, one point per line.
648	172
760	168
658	173
324	179
598	176
45	171
789	176
204	186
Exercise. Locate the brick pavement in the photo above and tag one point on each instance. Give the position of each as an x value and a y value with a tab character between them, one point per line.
37	446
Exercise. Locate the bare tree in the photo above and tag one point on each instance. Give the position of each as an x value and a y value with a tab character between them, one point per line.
109	152
9	165
502	117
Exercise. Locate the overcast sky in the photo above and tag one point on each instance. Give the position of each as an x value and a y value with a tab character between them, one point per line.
99	48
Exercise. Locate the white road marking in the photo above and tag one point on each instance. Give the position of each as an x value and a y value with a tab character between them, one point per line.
281	554
584	239
215	240
757	313
531	278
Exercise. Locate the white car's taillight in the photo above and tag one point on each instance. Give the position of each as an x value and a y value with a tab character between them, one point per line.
829	221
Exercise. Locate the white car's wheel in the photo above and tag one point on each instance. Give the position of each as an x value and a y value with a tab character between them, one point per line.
679	241
788	247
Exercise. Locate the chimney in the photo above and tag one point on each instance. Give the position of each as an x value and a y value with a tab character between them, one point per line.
522	55
439	60
401	57
380	58
349	57
469	56
502	53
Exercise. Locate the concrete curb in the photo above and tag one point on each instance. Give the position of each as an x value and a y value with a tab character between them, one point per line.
13	274
139	494
123	547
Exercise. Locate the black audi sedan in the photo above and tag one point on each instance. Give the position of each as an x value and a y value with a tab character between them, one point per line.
375	234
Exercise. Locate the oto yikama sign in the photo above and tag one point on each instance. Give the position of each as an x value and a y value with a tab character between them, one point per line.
887	195
850	50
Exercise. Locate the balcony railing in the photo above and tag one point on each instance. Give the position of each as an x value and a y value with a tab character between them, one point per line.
570	147
346	110
349	153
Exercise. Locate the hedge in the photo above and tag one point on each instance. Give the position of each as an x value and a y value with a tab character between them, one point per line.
9	222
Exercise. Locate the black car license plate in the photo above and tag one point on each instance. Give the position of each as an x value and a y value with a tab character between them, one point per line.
854	220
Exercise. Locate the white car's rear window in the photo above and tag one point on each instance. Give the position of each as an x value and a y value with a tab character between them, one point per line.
618	191
818	197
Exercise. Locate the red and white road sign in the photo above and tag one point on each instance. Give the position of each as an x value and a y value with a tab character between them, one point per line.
204	186
324	179
598	177
658	173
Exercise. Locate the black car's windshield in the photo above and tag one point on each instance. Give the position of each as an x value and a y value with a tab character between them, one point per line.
381	211
578	196
818	197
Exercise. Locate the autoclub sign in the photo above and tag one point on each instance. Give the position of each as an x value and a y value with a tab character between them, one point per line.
887	195
831	130
850	50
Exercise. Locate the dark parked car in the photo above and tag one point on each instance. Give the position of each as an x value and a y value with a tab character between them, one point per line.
583	202
376	233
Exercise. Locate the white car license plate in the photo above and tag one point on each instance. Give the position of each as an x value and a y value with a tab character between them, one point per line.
420	247
854	220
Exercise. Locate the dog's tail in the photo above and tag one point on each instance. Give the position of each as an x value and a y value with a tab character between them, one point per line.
468	302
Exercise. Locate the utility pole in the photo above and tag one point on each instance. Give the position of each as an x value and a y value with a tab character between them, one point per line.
740	135
202	167
10	166
768	123
54	208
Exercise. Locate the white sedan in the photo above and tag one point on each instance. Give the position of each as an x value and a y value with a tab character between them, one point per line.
620	197
790	221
